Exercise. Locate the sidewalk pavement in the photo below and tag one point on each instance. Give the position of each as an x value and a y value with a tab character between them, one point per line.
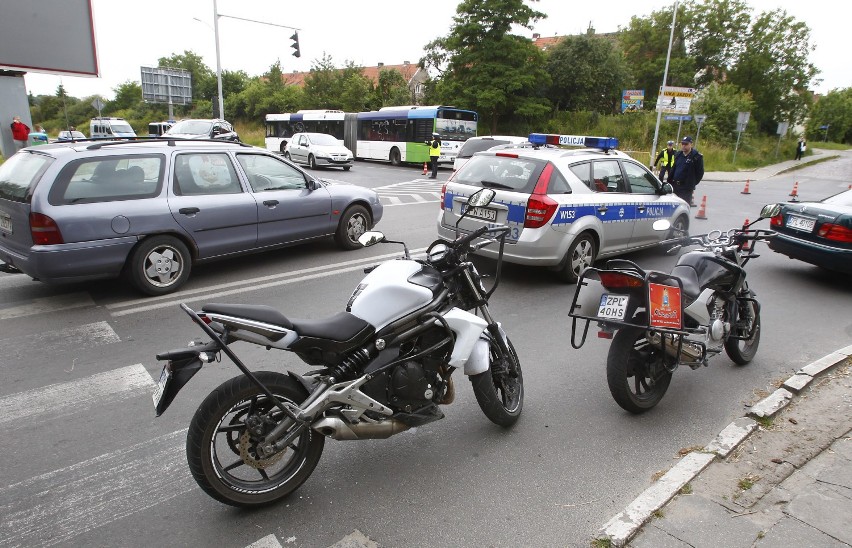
782	475
770	170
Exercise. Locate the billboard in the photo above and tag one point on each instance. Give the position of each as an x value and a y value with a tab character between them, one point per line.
166	85
675	100
632	99
51	36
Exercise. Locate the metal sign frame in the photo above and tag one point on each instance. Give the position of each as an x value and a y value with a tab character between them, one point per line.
166	85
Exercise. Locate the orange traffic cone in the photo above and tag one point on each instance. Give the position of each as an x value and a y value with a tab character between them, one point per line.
425	168
702	209
745	190
795	192
746	246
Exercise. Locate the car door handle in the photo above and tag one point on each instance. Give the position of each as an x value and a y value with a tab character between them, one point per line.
188	210
270	203
602	209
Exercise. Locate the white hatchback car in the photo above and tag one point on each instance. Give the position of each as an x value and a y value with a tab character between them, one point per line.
318	150
565	207
478	144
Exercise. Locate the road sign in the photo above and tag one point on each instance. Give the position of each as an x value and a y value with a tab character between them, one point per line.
699	119
782	128
679	117
675	100
97	104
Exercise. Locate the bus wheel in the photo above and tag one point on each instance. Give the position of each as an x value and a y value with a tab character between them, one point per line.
395	158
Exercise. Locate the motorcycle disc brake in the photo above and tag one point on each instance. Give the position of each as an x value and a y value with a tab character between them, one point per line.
249	456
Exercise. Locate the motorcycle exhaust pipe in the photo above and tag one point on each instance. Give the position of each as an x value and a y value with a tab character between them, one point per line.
689	350
336	428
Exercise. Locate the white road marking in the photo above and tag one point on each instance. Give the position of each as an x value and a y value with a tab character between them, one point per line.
254	284
55	507
269	541
393	200
47	304
88	335
77	395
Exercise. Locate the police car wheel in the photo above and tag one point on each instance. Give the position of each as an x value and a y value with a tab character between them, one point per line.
580	255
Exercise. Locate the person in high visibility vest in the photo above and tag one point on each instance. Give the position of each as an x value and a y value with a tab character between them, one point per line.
434	154
667	155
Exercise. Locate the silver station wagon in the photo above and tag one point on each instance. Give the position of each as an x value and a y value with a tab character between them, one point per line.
149	210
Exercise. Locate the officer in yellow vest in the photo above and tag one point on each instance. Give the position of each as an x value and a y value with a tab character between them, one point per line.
434	154
667	156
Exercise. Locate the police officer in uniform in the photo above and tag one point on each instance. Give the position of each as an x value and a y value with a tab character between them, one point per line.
687	171
667	156
434	154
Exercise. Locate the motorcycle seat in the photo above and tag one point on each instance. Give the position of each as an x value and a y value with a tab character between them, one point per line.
689	278
341	327
259	313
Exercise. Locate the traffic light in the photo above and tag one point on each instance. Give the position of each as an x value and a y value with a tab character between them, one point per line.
295	45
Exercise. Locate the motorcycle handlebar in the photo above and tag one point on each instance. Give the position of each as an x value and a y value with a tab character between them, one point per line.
465	240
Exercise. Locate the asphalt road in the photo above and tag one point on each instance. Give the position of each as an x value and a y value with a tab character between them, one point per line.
86	462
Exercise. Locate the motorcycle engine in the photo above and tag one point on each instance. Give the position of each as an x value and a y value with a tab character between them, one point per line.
411	385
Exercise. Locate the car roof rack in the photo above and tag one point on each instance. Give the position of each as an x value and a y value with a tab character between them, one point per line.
170	140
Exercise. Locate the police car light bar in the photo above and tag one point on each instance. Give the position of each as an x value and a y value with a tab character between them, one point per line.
604	143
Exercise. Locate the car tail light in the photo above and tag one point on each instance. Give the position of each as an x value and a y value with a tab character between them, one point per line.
836	233
540	206
44	230
506	154
620	280
443	193
777	220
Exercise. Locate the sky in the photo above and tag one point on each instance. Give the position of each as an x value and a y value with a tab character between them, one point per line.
135	33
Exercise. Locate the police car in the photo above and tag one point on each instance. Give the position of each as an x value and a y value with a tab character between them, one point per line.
566	208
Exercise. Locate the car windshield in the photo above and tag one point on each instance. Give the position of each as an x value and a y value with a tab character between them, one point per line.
77	135
507	172
323	139
192	127
121	128
843	199
19	172
476	145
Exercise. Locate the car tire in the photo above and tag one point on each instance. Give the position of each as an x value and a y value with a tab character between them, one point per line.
347	168
159	265
395	157
312	162
581	254
354	222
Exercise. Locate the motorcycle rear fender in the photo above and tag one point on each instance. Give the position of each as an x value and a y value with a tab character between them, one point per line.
468	328
182	371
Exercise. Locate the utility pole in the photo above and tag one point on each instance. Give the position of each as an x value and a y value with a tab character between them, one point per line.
665	78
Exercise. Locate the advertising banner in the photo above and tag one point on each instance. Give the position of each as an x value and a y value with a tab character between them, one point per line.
675	100
665	306
632	100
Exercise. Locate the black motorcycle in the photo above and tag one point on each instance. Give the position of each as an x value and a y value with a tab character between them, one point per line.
658	321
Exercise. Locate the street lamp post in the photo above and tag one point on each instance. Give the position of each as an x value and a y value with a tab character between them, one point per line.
218	61
665	77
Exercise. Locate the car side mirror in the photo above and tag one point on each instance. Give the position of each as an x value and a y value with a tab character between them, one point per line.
667	189
371	238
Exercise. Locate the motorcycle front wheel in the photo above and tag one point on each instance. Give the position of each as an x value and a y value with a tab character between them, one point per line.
222	452
499	393
635	372
741	351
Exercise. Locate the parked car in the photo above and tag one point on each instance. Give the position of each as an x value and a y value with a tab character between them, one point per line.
203	129
819	233
149	210
70	136
155	129
565	208
108	128
318	150
478	144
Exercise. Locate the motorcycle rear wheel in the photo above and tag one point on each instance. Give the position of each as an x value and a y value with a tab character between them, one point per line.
221	452
637	378
498	393
748	317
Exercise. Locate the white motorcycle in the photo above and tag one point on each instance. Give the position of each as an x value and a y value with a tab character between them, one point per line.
383	366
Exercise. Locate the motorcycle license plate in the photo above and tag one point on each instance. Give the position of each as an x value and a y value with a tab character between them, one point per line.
613	307
800	223
160	389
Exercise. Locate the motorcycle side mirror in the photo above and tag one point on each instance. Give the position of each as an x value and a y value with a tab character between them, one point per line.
481	198
770	210
661	225
371	238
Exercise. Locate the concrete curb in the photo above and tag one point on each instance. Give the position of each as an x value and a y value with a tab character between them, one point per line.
621	528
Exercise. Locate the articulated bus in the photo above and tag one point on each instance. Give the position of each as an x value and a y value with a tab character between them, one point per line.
394	134
280	127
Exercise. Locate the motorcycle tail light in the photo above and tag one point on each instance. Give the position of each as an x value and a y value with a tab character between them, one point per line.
836	233
44	230
206	319
620	280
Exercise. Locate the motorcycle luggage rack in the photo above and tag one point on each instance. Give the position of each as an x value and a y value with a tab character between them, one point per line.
623	265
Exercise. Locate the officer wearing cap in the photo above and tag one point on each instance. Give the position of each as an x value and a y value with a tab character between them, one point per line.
667	156
434	154
687	171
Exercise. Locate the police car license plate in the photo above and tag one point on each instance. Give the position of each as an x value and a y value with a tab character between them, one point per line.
6	223
613	307
800	223
483	213
160	389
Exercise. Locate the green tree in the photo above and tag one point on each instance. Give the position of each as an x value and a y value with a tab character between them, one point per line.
320	84
645	43
835	111
721	103
716	31
484	67
392	89
774	68
127	96
203	78
588	73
